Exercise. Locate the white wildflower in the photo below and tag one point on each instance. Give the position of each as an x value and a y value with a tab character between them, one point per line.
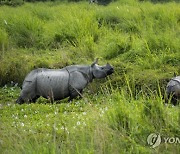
22	124
56	128
84	113
62	127
67	105
78	123
25	116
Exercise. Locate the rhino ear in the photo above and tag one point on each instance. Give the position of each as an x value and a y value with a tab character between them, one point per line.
95	62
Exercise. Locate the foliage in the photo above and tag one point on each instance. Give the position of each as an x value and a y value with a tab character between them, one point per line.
136	35
117	124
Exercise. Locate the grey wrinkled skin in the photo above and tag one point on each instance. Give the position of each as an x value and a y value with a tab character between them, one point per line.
173	89
57	84
93	1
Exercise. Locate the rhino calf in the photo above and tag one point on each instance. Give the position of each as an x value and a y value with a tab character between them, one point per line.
173	89
58	84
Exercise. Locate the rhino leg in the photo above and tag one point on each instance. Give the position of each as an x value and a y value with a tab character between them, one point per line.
74	93
78	82
35	98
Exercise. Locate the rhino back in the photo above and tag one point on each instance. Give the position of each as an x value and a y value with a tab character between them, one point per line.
30	79
53	82
174	86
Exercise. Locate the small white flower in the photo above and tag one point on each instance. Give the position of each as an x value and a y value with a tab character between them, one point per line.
84	113
67	105
78	123
55	112
62	127
25	116
22	124
77	102
56	128
22	110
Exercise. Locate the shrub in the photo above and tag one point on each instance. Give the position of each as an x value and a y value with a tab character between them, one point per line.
11	2
26	31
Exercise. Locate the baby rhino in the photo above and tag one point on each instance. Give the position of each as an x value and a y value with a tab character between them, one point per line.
57	84
173	89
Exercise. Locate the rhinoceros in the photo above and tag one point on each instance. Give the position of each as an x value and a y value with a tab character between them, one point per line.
173	89
57	84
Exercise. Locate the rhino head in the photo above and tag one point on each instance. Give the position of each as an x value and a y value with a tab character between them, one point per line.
101	71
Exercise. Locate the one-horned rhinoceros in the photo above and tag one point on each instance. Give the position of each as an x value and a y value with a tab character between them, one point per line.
57	84
173	89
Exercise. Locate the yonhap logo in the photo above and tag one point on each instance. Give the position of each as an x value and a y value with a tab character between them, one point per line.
155	140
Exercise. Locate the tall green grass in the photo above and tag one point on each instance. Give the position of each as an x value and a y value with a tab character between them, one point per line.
118	124
137	35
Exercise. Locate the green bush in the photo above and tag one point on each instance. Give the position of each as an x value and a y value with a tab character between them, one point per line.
11	2
26	31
